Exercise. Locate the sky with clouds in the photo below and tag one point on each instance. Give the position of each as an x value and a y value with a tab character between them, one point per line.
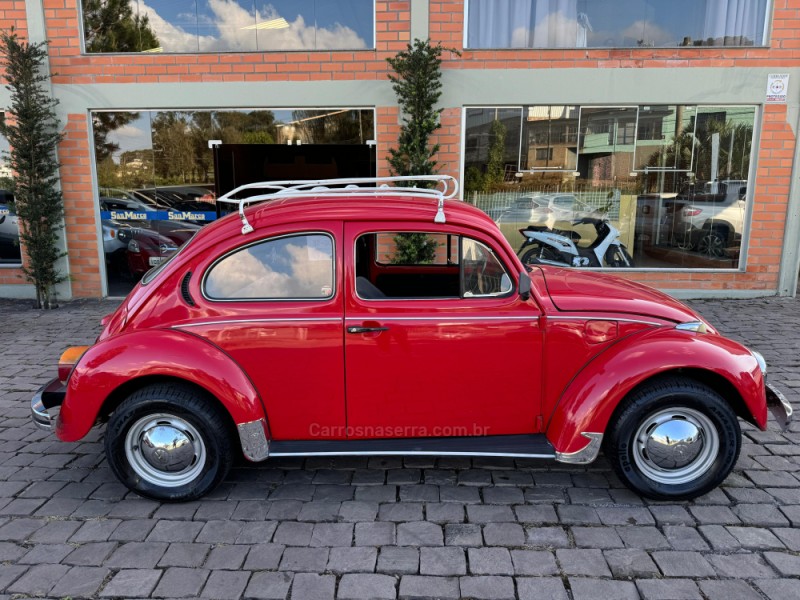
222	25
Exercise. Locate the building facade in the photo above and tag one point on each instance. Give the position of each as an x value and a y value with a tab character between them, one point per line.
674	121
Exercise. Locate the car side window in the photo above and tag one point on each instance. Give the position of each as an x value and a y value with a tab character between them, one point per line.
296	267
421	265
483	274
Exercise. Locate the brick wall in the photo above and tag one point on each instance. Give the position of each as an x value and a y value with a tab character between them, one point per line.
79	209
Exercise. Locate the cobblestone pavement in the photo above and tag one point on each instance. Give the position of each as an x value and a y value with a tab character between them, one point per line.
354	528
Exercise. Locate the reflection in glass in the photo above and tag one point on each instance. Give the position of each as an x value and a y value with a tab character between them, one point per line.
688	210
663	138
10	253
491	146
227	25
155	172
608	136
173	22
614	23
285	268
552	138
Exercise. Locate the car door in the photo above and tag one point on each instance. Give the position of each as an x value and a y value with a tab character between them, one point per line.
442	348
278	309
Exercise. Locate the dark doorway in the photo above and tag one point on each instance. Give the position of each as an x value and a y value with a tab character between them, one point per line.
238	164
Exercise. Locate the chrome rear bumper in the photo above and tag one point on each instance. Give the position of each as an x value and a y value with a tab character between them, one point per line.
49	396
779	406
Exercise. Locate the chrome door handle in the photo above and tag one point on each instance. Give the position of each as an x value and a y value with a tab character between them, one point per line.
366	329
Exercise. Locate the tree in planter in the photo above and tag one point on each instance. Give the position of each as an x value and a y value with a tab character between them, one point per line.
417	84
31	129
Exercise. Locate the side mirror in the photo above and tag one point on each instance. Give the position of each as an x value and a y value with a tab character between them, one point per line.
524	286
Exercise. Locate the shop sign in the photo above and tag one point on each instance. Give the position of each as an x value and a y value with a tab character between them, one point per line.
157	215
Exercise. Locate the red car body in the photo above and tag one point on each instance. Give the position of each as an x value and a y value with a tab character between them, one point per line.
555	360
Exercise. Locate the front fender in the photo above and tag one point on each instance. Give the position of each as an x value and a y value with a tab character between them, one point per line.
146	353
589	400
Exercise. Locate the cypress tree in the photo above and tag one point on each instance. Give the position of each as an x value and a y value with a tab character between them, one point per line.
32	131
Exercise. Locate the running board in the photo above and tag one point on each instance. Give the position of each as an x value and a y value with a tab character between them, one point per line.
514	446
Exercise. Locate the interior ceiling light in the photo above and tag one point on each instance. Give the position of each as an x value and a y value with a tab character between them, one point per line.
279	23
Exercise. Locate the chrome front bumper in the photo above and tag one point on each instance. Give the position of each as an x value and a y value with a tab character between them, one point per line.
50	396
779	406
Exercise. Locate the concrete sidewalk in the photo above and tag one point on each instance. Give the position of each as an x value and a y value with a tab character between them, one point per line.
364	528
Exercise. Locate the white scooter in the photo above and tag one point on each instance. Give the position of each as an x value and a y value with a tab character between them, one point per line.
547	246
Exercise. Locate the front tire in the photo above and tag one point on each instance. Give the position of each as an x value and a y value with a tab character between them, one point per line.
618	256
674	439
540	252
169	442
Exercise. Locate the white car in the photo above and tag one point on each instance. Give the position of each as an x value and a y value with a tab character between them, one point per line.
547	210
709	217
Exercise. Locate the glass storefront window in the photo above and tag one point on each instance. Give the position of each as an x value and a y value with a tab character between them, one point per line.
155	172
9	224
552	139
614	23
228	25
670	180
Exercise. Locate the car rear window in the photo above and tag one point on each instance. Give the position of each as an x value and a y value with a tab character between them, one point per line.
296	267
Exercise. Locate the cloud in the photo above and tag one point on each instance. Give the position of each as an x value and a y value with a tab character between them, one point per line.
303	272
224	25
129	131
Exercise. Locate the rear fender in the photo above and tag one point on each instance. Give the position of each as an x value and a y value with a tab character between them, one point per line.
587	404
121	359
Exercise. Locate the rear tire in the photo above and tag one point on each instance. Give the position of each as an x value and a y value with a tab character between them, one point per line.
673	439
169	442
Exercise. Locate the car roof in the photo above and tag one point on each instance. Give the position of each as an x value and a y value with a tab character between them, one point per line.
364	208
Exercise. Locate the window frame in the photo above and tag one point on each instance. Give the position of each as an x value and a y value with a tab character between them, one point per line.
460	266
264	240
83	52
741	266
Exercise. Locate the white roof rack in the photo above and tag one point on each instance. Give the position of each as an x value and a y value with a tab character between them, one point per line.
446	188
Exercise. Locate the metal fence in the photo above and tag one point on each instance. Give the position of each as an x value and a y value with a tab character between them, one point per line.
496	203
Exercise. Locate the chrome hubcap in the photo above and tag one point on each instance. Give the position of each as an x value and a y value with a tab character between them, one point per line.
165	450
675	446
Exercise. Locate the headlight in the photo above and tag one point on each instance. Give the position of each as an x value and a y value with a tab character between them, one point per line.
762	364
133	246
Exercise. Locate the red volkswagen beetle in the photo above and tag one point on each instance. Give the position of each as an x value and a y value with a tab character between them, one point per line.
333	320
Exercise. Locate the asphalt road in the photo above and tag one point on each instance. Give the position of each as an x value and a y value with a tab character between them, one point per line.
370	528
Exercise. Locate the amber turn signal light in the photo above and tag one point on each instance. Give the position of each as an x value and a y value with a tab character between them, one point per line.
68	360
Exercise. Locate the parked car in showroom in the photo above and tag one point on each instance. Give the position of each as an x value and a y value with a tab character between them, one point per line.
709	217
371	320
9	231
